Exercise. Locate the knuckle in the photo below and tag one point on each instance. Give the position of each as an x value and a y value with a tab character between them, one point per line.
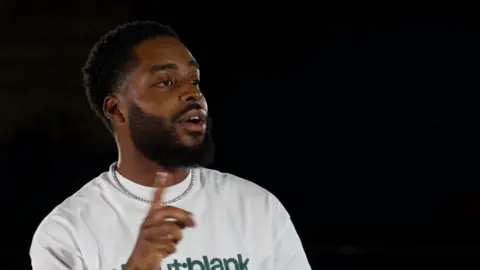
171	247
173	210
167	247
167	209
178	233
168	227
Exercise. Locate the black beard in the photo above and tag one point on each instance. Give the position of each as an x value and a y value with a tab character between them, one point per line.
156	138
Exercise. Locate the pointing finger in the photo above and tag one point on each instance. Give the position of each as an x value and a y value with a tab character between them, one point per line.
159	183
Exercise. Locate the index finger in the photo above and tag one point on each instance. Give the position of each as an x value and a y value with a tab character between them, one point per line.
159	183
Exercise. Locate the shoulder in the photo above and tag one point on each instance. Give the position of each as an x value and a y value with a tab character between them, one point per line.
61	235
90	194
228	181
233	184
242	191
258	214
66	219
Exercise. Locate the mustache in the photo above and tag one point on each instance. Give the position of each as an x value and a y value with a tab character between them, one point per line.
190	106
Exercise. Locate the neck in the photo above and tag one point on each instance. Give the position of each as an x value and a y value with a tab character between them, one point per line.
135	167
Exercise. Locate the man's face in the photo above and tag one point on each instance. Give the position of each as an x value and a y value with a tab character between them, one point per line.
167	113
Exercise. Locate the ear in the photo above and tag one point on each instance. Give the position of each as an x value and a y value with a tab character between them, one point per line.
113	110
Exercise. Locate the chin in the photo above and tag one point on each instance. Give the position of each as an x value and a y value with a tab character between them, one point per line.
191	140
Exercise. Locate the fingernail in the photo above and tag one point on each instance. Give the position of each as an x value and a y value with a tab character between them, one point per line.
192	219
160	178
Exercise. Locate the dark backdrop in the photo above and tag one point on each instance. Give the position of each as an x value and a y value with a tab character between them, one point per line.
363	123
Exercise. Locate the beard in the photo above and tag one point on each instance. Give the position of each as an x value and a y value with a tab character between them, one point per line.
157	139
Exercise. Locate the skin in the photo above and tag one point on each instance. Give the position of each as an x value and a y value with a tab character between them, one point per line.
158	238
161	92
163	83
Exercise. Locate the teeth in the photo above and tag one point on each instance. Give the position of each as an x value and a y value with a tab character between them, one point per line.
195	118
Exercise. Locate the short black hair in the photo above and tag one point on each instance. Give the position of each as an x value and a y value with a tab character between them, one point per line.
112	56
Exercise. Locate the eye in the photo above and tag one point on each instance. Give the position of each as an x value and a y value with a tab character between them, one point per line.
196	82
165	83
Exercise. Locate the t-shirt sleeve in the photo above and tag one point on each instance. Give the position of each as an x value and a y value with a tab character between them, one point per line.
288	252
53	247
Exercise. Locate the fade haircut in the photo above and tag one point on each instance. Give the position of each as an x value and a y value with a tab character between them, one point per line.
112	57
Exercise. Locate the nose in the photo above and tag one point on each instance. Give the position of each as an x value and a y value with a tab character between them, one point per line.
191	95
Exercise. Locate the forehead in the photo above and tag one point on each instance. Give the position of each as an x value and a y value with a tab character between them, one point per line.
162	50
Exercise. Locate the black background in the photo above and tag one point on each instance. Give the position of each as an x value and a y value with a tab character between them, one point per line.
361	120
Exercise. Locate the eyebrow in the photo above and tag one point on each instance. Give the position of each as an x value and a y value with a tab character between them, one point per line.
163	67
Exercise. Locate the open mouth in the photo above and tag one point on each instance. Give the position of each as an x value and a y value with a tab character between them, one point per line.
194	121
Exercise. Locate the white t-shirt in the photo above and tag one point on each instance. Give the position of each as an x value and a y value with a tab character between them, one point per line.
239	226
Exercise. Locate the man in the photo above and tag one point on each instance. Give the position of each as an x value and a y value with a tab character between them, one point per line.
158	206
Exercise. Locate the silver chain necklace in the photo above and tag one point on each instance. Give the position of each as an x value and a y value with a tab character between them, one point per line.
133	196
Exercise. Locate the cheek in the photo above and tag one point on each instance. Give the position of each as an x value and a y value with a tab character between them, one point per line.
205	105
163	107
